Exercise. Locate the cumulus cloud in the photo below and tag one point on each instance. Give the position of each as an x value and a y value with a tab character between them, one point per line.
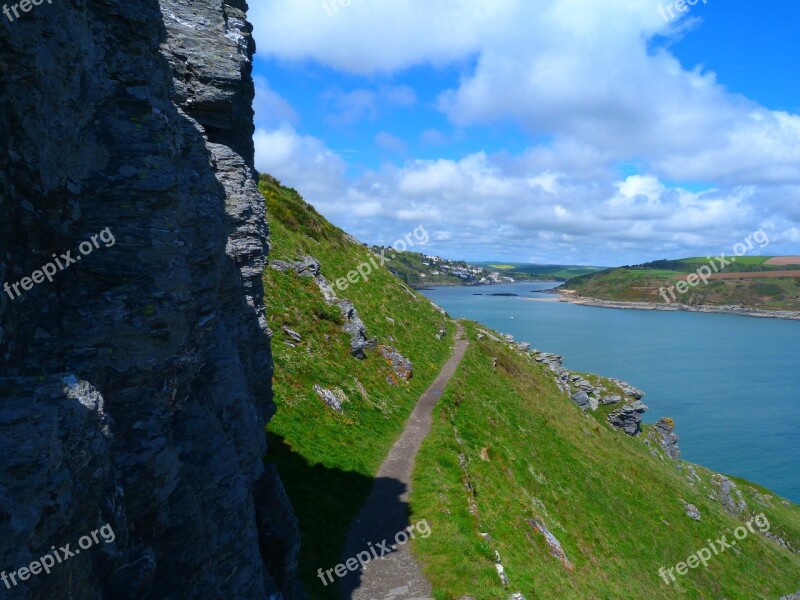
270	107
370	36
583	75
477	208
301	160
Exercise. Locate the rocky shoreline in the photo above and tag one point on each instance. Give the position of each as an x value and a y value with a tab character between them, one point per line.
742	311
589	397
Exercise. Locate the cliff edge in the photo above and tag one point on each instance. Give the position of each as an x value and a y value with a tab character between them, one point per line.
135	371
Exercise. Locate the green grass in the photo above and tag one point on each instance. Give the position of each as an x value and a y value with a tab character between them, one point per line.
327	460
601	493
697	261
650	273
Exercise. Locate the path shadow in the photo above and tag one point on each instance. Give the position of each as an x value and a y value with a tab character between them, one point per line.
326	501
384	515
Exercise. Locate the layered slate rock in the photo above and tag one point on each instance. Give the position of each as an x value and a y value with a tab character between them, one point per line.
692	511
665	430
582	400
553	545
628	418
136	386
308	266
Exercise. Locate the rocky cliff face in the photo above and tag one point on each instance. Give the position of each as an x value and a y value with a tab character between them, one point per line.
135	386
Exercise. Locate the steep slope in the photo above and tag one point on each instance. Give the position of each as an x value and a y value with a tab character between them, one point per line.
574	507
328	458
135	384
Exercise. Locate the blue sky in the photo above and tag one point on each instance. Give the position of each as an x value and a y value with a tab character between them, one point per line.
555	131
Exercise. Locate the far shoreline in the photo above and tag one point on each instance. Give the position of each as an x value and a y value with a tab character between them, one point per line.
741	311
430	286
569	296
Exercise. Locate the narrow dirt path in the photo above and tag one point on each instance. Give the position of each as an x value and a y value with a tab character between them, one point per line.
396	576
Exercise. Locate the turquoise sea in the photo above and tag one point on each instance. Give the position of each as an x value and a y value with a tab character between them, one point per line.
731	383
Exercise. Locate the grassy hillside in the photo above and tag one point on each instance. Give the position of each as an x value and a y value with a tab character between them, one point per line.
750	282
538	272
325	459
528	452
418	270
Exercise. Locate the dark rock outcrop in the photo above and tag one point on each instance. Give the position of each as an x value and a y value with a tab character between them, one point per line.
135	386
291	333
308	266
354	326
628	418
614	399
582	400
629	390
664	431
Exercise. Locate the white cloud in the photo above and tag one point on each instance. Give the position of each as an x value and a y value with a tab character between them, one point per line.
476	208
371	36
578	73
270	108
580	70
302	161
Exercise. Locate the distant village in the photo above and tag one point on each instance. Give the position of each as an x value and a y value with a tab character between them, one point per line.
441	266
420	270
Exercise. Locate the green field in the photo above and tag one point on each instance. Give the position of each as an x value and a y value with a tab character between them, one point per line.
644	283
538	272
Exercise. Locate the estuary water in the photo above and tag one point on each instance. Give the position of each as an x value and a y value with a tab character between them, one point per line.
731	383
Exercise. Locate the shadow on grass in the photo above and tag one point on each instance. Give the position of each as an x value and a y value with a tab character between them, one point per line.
326	501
